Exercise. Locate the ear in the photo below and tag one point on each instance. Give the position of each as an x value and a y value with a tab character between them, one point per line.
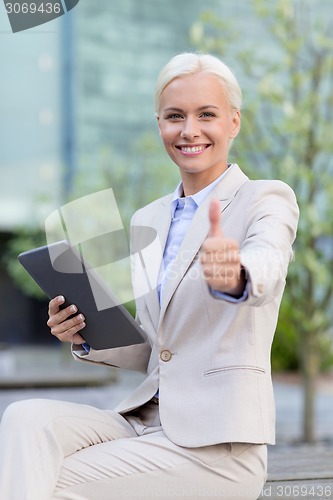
158	124
236	124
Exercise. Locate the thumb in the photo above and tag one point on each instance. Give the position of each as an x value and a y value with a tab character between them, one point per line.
215	219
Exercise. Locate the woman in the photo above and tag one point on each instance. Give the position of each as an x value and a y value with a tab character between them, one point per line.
199	424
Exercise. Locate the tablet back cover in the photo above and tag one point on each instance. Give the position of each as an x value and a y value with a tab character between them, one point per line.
65	275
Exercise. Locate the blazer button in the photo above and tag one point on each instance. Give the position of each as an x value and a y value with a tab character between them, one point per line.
165	355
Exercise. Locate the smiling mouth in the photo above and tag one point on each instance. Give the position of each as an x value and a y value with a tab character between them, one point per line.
192	150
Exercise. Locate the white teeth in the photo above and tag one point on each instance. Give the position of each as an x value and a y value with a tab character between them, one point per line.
193	149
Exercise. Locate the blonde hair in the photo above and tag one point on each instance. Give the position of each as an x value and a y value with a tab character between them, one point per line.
189	63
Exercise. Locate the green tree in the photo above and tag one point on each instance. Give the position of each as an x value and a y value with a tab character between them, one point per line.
287	132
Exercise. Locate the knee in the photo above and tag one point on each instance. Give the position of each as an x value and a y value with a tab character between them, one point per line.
26	412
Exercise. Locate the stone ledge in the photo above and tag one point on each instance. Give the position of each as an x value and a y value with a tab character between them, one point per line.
35	366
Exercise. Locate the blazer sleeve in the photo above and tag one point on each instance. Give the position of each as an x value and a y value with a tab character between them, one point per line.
271	225
134	357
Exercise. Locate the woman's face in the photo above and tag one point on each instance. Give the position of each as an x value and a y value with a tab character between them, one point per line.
196	124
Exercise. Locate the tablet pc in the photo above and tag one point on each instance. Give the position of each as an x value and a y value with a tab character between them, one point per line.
59	269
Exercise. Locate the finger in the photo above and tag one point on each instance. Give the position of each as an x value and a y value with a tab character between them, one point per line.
58	327
70	336
215	219
222	278
54	304
226	254
66	330
62	315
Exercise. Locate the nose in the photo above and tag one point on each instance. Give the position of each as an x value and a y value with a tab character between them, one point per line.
190	129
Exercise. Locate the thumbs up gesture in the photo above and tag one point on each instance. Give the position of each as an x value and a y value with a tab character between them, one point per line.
220	257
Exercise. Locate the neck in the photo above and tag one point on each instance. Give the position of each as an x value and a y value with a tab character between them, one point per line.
193	183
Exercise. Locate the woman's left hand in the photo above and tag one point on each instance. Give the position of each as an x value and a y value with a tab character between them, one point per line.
220	257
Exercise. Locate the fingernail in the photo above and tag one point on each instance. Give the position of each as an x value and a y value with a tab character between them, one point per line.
73	309
61	299
81	317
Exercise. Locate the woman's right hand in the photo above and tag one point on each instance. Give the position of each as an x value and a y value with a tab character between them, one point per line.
62	323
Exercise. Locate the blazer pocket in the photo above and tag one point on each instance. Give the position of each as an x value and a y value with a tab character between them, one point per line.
215	371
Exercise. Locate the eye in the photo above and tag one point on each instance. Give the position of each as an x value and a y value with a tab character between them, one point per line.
174	116
207	114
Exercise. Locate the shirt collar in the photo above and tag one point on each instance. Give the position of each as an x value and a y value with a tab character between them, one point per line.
198	197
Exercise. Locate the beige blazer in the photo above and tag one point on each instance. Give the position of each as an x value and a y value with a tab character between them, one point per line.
210	358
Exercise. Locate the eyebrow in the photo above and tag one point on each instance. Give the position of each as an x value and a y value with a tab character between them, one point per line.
199	109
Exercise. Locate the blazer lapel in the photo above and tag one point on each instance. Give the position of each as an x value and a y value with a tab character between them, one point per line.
152	258
225	191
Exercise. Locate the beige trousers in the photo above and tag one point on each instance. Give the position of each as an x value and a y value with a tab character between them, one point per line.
52	450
